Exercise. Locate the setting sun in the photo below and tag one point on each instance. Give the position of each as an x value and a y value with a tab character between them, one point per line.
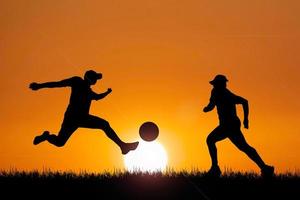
148	157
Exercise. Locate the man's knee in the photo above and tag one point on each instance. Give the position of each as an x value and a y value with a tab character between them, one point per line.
60	142
210	140
105	125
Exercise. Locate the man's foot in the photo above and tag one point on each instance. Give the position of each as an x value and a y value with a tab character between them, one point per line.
267	171
129	147
214	171
41	138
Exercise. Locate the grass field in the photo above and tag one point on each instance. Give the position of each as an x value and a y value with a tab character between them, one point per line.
170	185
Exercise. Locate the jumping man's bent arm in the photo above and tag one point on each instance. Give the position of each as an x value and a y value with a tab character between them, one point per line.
102	95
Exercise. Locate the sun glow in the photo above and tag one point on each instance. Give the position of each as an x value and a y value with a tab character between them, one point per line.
148	157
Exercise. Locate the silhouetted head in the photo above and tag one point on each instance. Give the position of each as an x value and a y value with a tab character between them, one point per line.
91	76
219	81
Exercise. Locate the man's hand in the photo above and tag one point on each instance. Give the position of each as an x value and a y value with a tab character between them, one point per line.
34	86
246	123
109	90
206	109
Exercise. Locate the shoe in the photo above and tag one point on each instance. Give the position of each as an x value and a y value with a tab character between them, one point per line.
214	171
267	171
129	147
41	138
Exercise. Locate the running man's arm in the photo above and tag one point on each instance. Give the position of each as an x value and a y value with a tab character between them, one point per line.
54	84
244	102
211	105
102	95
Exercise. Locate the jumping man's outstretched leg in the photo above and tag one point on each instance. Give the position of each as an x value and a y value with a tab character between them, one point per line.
125	147
98	123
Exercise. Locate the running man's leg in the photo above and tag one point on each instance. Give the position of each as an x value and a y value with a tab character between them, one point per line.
216	135
239	141
94	122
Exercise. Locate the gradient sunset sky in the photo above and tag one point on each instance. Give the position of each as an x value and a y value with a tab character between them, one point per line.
157	56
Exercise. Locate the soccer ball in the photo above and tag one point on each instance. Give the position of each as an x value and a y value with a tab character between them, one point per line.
149	131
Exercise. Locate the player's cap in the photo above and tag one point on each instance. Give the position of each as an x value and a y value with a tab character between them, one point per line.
92	74
219	79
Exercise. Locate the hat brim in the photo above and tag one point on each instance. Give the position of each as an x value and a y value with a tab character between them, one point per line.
98	76
216	81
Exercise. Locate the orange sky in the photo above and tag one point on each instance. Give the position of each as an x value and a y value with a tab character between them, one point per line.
158	57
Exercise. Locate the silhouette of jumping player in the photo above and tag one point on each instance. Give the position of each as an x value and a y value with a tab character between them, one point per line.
77	114
229	125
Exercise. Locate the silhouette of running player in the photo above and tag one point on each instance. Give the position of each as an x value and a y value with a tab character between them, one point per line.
229	125
77	114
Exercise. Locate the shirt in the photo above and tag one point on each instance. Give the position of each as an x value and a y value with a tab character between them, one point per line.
225	101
